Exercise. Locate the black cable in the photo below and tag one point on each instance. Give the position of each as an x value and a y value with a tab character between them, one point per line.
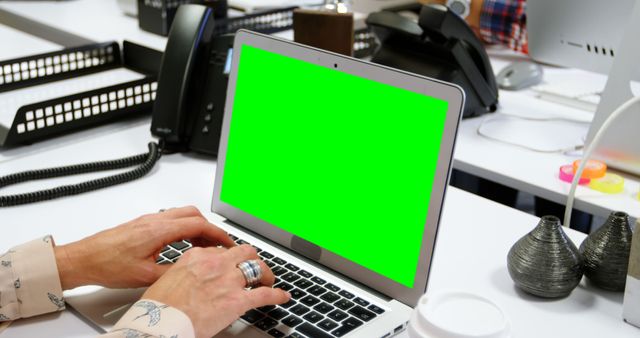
146	162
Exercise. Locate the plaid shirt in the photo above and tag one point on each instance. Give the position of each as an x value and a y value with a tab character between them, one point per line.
504	22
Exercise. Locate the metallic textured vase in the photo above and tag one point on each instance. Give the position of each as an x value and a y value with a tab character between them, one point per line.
606	253
545	262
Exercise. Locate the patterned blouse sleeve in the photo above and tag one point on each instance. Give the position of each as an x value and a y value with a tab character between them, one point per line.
30	286
148	318
504	22
29	281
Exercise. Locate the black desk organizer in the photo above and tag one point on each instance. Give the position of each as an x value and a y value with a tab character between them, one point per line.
364	43
281	20
152	19
156	16
61	115
267	22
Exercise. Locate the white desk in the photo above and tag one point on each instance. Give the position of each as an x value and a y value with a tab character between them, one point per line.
473	242
531	171
525	170
14	38
99	20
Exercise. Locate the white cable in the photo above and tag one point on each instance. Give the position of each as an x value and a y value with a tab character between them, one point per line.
489	119
545	118
587	154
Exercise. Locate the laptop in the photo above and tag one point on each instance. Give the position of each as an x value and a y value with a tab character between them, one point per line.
335	169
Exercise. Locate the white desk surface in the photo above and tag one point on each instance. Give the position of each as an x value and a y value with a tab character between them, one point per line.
531	171
473	242
99	20
525	170
471	251
17	44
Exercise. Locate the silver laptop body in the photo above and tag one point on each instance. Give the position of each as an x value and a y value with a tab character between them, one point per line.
395	297
393	300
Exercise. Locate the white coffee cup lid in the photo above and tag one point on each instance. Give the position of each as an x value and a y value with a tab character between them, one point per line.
457	314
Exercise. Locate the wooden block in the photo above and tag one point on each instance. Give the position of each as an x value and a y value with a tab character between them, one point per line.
326	30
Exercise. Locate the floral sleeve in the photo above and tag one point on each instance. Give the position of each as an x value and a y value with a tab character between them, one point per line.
30	286
148	318
29	281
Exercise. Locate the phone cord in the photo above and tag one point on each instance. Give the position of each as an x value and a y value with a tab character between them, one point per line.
145	161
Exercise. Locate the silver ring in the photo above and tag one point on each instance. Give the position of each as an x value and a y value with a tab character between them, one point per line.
252	272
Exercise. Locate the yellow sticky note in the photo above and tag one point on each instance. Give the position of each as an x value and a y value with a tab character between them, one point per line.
609	184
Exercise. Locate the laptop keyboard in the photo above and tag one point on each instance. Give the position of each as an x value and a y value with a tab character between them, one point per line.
317	309
173	251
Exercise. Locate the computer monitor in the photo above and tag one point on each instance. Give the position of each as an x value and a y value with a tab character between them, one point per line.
598	36
581	34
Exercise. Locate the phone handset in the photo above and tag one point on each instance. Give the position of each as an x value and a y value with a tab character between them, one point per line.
180	72
441	25
439	44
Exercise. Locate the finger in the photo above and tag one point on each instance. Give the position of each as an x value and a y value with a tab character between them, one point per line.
159	270
148	272
188	211
266	296
204	254
241	279
241	253
205	243
195	228
267	278
173	213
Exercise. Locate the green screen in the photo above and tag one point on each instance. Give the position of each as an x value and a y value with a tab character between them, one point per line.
341	161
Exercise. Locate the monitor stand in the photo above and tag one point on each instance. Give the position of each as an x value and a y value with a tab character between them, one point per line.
620	146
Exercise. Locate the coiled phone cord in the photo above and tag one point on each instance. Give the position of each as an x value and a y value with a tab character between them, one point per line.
145	161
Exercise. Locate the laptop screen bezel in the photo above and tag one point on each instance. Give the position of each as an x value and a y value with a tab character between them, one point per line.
409	81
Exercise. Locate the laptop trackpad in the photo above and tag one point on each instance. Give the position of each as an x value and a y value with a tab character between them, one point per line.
306	248
102	307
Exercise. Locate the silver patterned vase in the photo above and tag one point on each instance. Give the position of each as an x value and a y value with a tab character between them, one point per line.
606	253
545	262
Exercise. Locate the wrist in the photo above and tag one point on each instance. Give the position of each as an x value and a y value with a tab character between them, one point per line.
70	273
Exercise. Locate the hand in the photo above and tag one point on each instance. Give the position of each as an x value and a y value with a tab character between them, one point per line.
124	256
207	286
